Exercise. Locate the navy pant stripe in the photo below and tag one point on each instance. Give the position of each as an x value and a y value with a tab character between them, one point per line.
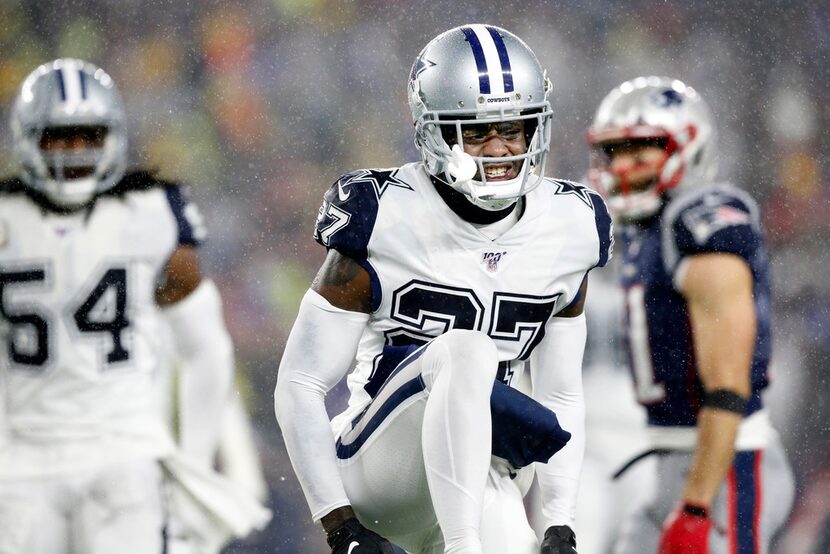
506	71
481	62
407	390
744	505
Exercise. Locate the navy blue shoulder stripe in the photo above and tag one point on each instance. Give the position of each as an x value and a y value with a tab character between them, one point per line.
178	202
605	229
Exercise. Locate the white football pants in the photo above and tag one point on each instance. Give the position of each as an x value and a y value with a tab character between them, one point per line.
116	508
750	508
417	463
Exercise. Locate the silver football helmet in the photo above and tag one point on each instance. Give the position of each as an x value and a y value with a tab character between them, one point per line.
69	93
479	74
662	109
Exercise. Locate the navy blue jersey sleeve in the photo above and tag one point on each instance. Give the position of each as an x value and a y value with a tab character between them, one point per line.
188	218
716	222
605	229
347	216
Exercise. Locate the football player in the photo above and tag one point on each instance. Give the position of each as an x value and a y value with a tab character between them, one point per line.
695	273
442	279
91	259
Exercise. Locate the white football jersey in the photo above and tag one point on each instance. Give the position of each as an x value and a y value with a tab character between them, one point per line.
432	271
80	328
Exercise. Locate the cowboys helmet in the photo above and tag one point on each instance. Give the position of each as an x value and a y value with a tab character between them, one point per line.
480	74
652	109
68	94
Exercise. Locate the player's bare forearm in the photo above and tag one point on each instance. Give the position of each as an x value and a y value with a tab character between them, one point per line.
718	289
713	456
344	283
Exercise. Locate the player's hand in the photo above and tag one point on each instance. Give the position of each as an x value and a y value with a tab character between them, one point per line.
559	539
686	531
350	537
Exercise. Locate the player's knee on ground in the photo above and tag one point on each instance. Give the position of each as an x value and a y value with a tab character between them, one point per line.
470	355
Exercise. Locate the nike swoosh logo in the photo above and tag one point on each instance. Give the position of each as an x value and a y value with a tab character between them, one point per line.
352	547
343	197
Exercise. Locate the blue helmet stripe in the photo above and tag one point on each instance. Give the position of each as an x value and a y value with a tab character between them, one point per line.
506	71
61	84
481	62
83	83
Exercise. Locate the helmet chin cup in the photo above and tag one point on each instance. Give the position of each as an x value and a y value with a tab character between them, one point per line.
625	205
494	205
492	196
634	206
70	193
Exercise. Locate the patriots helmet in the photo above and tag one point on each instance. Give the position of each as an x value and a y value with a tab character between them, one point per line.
479	74
661	111
67	94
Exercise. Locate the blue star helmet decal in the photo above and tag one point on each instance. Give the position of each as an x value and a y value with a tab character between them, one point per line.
420	65
668	97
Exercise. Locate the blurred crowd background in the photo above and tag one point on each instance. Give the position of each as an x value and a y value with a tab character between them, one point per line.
260	105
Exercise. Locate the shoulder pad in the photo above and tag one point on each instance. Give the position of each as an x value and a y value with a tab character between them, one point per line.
191	224
347	215
138	180
189	220
13	186
602	218
715	219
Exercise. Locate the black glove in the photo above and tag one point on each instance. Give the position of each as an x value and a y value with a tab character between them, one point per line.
350	537
559	539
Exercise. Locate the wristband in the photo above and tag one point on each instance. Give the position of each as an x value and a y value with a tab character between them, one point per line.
693	510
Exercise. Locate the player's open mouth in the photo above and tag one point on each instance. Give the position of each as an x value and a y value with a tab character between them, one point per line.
499	172
632	187
70	173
